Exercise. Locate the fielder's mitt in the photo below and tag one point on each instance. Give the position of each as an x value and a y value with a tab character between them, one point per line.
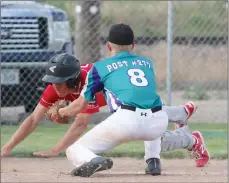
53	114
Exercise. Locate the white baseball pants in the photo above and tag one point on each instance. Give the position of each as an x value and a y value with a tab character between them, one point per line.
122	126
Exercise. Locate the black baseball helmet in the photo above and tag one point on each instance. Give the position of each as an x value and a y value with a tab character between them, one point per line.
63	68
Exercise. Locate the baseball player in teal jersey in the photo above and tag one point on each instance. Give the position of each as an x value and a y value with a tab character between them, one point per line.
128	77
138	111
131	80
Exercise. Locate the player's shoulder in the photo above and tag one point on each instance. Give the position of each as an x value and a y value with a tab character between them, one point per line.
49	96
144	58
50	91
102	62
86	67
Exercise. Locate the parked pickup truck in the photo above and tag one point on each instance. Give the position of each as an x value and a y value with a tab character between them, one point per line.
31	33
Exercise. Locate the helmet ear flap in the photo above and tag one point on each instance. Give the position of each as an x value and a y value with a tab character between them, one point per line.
73	82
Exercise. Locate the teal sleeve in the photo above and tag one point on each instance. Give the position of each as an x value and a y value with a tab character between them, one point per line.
93	85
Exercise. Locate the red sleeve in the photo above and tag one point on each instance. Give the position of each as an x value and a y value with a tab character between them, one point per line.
100	99
94	107
48	97
86	67
91	109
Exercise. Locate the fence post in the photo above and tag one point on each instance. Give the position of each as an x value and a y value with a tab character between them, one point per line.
169	52
87	32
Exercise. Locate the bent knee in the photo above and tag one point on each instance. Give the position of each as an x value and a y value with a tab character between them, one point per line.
68	153
72	155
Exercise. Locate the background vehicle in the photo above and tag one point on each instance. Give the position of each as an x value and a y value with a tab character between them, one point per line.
31	33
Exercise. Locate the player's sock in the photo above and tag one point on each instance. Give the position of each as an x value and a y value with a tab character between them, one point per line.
180	138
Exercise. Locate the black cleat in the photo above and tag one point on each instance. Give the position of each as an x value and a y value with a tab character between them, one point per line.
154	166
95	165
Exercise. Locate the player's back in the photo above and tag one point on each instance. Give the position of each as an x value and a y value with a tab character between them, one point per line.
130	79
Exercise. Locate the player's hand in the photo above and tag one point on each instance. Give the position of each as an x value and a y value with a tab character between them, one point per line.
49	153
5	152
53	113
55	117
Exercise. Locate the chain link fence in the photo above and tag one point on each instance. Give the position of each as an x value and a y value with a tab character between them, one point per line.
31	34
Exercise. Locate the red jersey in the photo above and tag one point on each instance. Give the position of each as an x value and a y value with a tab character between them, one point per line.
49	96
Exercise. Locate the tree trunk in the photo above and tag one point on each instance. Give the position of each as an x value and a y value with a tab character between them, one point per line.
87	34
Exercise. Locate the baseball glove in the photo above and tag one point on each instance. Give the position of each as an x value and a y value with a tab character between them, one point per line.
53	115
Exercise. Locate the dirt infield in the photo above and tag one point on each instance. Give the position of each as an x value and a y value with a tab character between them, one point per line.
124	170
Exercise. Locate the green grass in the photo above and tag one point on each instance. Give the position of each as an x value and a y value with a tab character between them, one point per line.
196	93
47	135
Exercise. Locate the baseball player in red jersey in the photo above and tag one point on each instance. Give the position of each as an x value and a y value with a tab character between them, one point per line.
51	94
68	87
73	79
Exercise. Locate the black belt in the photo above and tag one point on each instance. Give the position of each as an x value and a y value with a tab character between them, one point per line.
132	108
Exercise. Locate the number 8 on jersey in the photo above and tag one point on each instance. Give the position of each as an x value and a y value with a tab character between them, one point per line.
137	77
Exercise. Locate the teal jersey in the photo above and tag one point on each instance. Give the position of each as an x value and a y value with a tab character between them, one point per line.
128	78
